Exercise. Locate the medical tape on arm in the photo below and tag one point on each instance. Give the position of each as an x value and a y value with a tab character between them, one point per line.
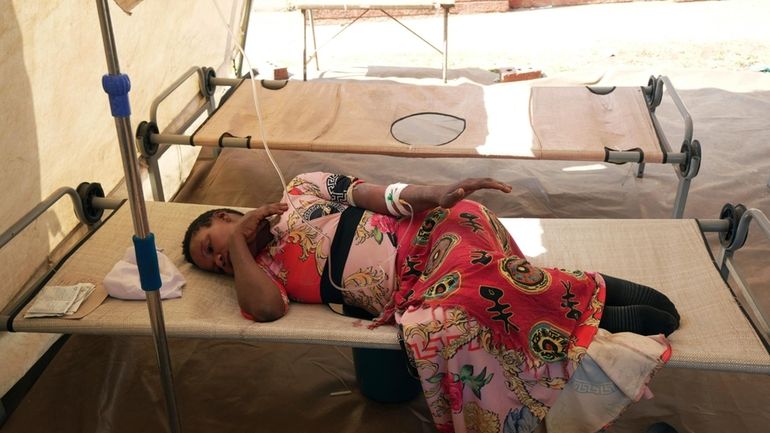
402	210
392	194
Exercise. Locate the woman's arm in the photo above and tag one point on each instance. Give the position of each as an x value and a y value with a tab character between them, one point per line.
422	197
257	294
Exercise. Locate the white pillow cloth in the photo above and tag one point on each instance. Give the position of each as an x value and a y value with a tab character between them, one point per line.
122	281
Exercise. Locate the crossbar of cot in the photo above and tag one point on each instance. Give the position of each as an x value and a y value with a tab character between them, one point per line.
676	159
307	18
613	156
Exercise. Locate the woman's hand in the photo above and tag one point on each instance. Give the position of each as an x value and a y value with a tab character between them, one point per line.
253	226
257	294
449	195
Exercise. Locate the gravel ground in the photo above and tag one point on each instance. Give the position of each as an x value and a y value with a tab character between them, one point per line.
728	35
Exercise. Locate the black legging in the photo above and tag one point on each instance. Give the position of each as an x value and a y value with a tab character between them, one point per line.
632	307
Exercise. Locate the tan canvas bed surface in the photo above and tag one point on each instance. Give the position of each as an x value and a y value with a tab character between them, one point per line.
667	254
506	120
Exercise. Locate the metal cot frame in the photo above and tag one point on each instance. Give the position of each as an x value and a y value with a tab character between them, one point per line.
152	143
307	9
89	203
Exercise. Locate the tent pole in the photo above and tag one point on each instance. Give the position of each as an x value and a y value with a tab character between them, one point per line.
242	36
117	85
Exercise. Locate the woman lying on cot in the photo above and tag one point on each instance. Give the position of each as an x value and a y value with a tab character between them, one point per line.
494	338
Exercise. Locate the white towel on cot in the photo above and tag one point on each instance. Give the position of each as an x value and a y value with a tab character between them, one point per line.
123	280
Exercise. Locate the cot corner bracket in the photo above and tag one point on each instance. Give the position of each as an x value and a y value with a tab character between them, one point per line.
144	133
691	165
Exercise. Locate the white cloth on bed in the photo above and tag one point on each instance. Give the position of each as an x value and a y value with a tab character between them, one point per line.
613	374
123	280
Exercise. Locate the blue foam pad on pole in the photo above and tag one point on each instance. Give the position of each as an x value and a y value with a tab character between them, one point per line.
147	262
117	87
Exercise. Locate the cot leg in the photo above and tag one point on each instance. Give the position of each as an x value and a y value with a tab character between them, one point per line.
307	15
315	44
304	45
156	184
640	170
686	171
681	197
446	43
242	35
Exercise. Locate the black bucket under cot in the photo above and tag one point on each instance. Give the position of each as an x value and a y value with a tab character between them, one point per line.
382	374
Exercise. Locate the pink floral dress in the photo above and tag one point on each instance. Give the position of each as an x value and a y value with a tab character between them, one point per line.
493	339
296	258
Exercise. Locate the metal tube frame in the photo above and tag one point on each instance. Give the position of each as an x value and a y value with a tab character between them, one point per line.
307	15
221	81
245	17
139	212
35	212
446	42
165	140
156	184
691	161
713	225
315	42
304	44
24	296
165	93
728	268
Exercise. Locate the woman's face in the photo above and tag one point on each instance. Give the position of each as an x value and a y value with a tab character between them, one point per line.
209	246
